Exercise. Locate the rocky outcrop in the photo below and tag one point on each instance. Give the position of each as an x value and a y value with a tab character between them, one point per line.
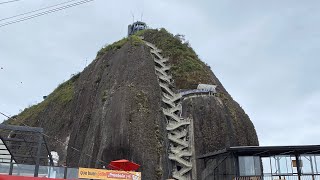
117	109
120	113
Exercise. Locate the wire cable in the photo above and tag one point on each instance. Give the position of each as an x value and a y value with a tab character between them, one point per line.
48	7
45	12
5	2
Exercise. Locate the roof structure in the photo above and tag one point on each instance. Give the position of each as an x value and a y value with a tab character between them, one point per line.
23	145
264	151
139	22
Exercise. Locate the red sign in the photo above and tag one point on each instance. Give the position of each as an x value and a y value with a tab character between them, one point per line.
7	177
88	173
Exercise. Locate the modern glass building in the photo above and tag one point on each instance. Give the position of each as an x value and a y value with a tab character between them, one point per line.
263	163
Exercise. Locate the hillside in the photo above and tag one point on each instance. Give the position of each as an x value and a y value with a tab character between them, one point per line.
113	109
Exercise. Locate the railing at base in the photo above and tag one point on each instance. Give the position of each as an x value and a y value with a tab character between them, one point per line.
278	177
44	171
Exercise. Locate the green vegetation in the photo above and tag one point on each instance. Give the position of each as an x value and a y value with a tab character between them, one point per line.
159	173
62	95
114	46
134	40
187	69
104	95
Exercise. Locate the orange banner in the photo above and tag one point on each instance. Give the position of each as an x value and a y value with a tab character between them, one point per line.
88	173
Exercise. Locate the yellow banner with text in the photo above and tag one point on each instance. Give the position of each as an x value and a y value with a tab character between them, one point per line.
88	173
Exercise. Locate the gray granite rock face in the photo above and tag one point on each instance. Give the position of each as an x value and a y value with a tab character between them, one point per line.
115	111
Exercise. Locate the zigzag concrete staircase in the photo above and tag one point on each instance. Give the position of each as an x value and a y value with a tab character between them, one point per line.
180	152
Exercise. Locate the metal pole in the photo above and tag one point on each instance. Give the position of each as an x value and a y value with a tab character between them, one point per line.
298	166
237	170
65	172
235	166
312	167
278	163
271	172
11	166
36	170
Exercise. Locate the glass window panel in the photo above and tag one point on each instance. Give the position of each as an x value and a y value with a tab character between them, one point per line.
56	172
317	163
257	165
274	165
315	160
43	171
313	164
249	165
4	168
284	161
60	171
293	169
266	165
72	173
23	170
306	164
51	172
282	164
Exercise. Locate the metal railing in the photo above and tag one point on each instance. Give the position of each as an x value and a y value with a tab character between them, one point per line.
195	91
278	177
44	171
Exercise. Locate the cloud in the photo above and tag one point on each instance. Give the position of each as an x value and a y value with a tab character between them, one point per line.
264	53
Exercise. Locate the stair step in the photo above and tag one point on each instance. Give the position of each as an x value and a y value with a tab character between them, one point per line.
172	126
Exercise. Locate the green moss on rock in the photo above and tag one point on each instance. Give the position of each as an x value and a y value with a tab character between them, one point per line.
104	95
134	40
187	69
116	45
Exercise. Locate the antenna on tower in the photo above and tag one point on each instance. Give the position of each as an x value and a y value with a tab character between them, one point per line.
132	17
141	16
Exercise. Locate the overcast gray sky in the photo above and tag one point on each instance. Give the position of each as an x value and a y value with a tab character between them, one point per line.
264	53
